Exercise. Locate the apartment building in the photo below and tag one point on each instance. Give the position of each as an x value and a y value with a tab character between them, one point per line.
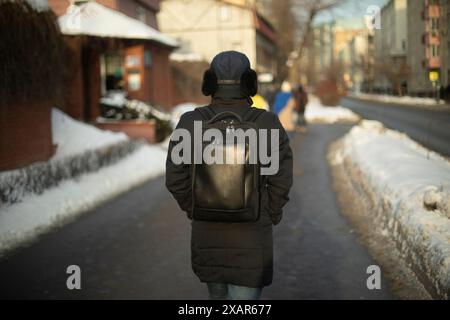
429	43
107	57
414	40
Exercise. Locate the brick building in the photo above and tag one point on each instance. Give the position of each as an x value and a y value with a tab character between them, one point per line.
116	45
415	33
428	44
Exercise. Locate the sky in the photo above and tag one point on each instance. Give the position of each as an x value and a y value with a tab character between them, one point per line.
353	10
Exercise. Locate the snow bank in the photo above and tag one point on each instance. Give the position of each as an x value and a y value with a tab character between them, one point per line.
36	214
81	148
178	111
409	187
75	137
407	100
94	19
89	167
187	56
317	113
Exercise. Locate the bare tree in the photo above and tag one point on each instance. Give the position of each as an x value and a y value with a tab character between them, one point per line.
293	20
307	11
396	72
285	23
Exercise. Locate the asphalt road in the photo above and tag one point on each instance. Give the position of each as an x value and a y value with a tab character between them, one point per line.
429	128
137	246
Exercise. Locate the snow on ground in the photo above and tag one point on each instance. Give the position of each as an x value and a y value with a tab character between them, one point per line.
407	100
178	110
318	113
94	19
35	214
411	186
75	137
186	56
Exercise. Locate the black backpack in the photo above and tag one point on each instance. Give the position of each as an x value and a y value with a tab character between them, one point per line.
227	192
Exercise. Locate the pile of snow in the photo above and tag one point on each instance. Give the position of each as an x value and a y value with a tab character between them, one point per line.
178	111
74	137
93	19
186	56
317	113
411	187
116	98
36	214
407	100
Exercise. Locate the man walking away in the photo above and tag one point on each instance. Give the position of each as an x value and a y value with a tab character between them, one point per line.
232	207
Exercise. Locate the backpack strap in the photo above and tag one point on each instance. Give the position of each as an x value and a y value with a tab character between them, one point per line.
206	112
252	114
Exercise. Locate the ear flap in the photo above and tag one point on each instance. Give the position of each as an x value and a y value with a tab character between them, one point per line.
209	85
249	83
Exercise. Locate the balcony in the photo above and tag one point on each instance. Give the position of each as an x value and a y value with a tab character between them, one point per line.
431	38
433	11
433	62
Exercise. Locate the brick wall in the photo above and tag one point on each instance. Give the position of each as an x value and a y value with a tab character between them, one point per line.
25	134
59	7
161	76
74	88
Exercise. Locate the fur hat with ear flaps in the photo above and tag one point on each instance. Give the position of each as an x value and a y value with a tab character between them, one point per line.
230	68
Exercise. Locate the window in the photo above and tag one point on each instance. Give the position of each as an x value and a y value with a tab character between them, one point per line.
434	24
434	50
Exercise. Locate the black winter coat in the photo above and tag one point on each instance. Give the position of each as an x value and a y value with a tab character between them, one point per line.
234	253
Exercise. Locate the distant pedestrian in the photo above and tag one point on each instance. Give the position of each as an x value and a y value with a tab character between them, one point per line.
283	106
301	100
232	207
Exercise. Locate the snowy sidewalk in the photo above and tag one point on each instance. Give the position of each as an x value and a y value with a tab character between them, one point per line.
408	188
35	213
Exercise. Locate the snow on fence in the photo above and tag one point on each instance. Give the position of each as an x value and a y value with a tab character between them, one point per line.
36	178
22	222
81	148
407	188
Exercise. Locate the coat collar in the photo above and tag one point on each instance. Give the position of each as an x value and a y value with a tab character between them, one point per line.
222	102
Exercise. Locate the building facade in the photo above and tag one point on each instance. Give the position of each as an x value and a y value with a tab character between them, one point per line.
143	10
429	42
413	41
391	47
101	64
207	27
